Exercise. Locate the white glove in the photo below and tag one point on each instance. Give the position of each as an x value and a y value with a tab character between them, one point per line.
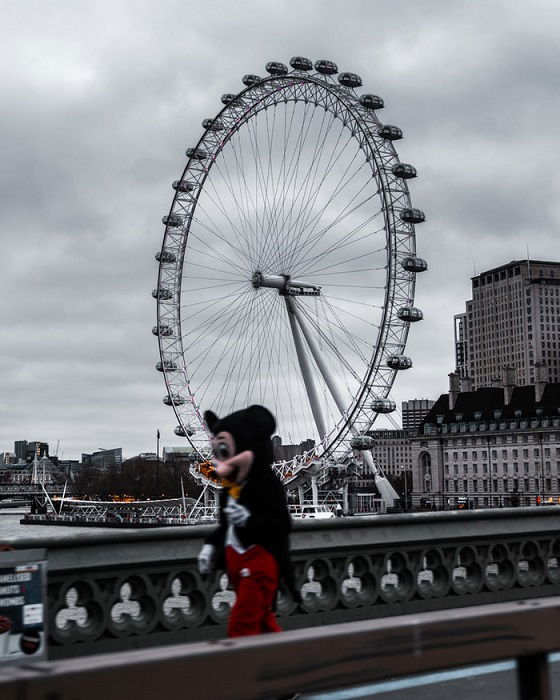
236	514
207	559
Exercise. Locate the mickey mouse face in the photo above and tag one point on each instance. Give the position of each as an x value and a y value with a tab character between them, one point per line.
223	446
228	463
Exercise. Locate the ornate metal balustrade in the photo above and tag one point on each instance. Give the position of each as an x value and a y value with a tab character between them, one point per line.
124	590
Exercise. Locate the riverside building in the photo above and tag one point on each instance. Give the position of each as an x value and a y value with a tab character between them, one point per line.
512	320
497	446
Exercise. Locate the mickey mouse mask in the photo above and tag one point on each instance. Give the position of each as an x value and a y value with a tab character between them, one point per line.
241	441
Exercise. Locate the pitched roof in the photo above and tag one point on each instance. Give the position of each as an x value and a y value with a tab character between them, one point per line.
489	399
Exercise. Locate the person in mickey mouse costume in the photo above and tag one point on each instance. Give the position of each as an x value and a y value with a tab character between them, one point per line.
251	542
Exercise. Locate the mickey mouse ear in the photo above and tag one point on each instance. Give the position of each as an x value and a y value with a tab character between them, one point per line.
261	421
210	419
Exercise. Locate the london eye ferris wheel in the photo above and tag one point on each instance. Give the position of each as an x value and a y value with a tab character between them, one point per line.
288	263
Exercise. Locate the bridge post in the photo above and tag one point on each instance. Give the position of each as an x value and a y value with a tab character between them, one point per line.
533	677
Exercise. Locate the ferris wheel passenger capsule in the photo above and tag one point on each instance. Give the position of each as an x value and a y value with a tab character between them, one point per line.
250	79
414	264
399	362
412	216
383	406
301	63
326	67
173	220
362	442
372	102
390	132
174	399
276	68
404	171
183	186
162	293
196	154
213	124
350	80
181	432
228	97
163	330
166	366
165	257
410	314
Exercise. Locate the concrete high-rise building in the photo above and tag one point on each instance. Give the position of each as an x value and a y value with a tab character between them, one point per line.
413	412
103	459
511	326
20	448
461	346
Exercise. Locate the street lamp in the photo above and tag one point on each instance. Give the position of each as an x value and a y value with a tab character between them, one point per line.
403	473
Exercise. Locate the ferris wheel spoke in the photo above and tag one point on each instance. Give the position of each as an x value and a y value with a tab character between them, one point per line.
353	339
291	186
241	192
310	191
330	342
297	192
236	372
271	232
214	254
263	193
313	272
251	193
290	177
349	240
209	319
218	203
340	336
309	219
229	348
361	319
314	237
314	187
242	212
356	301
242	261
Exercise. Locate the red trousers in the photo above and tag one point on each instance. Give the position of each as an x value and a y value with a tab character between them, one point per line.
254	576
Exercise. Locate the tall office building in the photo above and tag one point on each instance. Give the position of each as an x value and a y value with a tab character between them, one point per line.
20	448
512	321
414	411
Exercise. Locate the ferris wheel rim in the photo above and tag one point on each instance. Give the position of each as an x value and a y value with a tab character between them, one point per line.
349	99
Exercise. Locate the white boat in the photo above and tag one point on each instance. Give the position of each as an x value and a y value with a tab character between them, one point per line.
311	511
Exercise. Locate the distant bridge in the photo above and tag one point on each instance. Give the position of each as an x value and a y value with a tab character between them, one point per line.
24	491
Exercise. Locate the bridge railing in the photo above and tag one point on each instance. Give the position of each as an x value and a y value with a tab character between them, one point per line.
113	591
313	660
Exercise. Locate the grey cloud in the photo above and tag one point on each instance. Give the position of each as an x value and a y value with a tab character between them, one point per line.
102	100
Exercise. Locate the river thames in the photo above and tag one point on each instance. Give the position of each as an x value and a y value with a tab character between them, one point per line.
11	527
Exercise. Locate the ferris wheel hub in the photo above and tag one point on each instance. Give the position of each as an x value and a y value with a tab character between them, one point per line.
285	285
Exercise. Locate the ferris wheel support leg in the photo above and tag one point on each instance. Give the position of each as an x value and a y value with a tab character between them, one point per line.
306	370
318	357
387	492
314	490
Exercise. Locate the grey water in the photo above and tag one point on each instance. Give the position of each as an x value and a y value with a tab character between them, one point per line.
11	528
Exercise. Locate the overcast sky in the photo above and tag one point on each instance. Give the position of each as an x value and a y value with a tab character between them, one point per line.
99	101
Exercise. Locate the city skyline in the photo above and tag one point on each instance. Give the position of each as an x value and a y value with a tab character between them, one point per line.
97	130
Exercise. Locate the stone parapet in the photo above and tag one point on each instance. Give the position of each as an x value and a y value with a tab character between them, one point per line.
130	589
